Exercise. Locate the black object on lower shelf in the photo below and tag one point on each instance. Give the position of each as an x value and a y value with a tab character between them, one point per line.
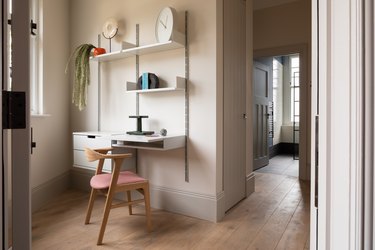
139	126
140	132
152	81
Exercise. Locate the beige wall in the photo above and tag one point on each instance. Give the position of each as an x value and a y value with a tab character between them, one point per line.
283	25
50	162
166	110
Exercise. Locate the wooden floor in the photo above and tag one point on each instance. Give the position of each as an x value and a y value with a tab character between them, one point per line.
281	164
276	216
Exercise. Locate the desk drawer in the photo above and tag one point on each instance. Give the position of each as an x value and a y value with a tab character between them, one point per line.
80	160
80	142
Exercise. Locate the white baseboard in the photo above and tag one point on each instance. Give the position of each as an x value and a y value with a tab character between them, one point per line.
41	194
220	206
196	205
80	178
250	184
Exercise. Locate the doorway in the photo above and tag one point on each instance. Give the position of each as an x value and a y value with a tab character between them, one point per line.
288	109
276	126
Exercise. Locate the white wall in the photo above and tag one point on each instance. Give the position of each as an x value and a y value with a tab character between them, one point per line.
50	162
278	103
287	126
165	170
287	134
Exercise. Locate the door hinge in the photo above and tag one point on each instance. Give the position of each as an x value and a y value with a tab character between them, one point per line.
33	27
14	110
33	143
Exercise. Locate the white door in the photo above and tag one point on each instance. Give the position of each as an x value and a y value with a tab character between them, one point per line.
234	102
261	98
17	141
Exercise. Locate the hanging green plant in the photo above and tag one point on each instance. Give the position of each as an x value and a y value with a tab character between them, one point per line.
82	74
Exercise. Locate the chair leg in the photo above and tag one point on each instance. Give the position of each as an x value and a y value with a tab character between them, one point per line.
129	195
146	190
107	208
90	205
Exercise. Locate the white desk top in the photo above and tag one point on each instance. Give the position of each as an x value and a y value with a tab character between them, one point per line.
142	138
99	133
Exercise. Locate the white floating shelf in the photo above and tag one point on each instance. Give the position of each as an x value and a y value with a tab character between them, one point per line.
178	42
131	87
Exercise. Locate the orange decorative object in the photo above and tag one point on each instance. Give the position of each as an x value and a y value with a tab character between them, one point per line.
99	51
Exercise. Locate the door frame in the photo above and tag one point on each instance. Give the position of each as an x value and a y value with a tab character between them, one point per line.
337	83
3	200
369	131
20	138
305	128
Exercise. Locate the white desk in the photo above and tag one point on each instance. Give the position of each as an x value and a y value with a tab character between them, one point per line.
121	141
152	142
82	140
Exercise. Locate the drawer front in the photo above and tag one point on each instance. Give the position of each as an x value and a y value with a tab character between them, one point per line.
81	142
80	160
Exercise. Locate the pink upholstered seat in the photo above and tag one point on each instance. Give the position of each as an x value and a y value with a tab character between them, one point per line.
102	181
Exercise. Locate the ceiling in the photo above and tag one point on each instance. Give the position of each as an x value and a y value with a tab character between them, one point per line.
262	4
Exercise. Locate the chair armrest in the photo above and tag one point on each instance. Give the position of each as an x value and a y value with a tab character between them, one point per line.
97	154
103	150
117	156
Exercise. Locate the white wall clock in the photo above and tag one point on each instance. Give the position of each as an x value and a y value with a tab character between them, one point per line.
165	24
110	28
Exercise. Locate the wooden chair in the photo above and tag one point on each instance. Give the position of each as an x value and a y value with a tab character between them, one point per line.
112	183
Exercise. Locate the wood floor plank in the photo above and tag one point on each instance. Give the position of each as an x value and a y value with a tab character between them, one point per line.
265	184
296	235
297	231
239	231
270	234
60	224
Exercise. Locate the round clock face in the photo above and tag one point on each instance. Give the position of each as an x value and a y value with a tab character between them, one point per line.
164	24
110	28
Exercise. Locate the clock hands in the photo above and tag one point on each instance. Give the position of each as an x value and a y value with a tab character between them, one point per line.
165	26
166	22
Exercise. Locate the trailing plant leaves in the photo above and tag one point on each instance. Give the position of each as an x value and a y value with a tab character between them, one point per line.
82	74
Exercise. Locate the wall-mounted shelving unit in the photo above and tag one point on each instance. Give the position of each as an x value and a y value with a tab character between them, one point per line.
179	41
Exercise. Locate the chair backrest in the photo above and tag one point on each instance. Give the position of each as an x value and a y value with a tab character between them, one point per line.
92	155
101	155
